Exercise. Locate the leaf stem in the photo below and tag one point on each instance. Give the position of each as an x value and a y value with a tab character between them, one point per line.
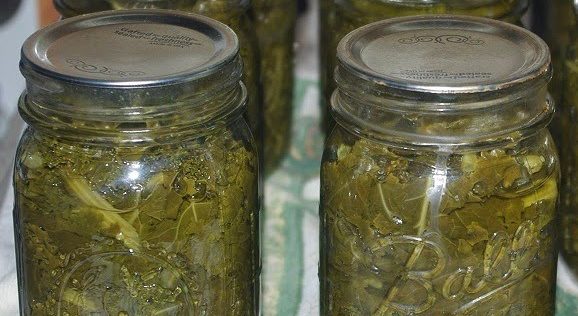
421	224
385	208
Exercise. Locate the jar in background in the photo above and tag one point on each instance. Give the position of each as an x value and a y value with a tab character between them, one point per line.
557	20
352	14
275	24
70	8
326	20
234	13
566	129
136	184
147	4
554	21
439	183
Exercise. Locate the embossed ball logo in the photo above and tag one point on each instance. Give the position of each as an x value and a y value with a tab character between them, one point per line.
442	39
95	69
507	261
121	283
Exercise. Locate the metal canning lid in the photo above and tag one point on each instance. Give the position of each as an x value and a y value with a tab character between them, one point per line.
131	48
444	56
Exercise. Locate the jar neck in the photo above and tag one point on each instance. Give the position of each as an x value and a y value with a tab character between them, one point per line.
506	10
459	122
131	116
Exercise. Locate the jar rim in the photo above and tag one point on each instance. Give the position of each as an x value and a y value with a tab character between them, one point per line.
403	138
128	126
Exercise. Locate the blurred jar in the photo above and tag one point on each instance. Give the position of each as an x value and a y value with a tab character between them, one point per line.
136	184
351	14
554	21
275	22
326	20
567	131
70	8
439	183
234	13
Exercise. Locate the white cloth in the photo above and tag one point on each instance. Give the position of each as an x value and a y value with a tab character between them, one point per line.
8	286
12	35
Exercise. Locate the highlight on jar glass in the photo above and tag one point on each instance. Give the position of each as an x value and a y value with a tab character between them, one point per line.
439	184
136	183
234	13
275	24
344	16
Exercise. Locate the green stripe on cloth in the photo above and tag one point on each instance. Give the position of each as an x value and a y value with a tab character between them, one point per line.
291	283
566	303
285	206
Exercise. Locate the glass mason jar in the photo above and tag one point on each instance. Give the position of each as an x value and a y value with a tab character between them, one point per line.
326	20
554	21
275	24
439	184
136	184
234	13
352	14
567	129
558	21
69	8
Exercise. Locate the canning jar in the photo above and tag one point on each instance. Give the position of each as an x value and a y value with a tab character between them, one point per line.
439	183
275	24
352	14
557	21
554	21
326	20
234	13
70	8
136	184
567	129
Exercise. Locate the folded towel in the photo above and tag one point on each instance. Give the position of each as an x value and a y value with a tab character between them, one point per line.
8	285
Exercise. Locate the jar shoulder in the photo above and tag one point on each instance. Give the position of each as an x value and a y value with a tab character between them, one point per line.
42	157
511	170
